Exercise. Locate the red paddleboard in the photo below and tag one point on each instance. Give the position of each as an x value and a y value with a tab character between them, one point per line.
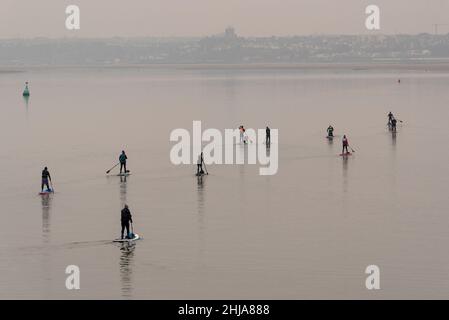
45	193
346	154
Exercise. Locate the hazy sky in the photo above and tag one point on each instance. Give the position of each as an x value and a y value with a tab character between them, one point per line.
107	18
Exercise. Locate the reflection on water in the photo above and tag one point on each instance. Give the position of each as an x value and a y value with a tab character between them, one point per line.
126	268
26	100
242	151
46	210
345	160
123	191
392	168
126	249
225	220
393	138
267	150
46	254
200	207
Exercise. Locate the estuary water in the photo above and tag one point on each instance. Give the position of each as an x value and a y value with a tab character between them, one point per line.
308	231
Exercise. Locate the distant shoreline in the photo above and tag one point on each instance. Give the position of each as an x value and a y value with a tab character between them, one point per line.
8	70
390	65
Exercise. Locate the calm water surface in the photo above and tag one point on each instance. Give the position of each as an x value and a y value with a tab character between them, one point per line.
307	232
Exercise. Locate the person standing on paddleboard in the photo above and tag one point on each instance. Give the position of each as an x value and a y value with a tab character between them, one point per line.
242	132
245	137
390	118
46	177
267	136
345	145
393	124
199	165
122	159
126	219
330	131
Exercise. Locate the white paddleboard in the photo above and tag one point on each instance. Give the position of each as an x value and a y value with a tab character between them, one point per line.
136	237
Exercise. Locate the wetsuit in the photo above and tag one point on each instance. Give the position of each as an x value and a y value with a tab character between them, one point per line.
390	118
268	136
122	160
199	165
345	145
45	178
330	132
241	133
393	124
245	136
126	219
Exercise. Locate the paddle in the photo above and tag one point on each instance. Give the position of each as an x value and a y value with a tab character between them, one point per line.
205	167
52	187
352	149
112	168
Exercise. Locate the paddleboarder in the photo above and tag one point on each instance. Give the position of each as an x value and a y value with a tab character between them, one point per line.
330	131
268	136
122	159
245	137
345	143
126	218
46	177
390	118
199	165
242	133
393	124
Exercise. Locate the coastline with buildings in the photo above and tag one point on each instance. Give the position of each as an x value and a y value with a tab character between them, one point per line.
226	48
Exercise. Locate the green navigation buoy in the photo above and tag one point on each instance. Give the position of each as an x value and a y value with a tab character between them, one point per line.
26	91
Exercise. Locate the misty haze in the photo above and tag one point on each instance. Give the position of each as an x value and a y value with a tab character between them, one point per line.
361	138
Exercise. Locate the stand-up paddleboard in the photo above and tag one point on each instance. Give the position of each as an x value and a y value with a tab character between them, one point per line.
46	192
127	173
330	137
135	238
345	154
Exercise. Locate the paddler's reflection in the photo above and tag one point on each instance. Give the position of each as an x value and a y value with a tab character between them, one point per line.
345	173
26	100
123	190
126	268
201	225
46	211
267	151
393	138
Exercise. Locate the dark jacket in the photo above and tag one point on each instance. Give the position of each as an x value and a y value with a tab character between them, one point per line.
126	216
123	158
45	174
